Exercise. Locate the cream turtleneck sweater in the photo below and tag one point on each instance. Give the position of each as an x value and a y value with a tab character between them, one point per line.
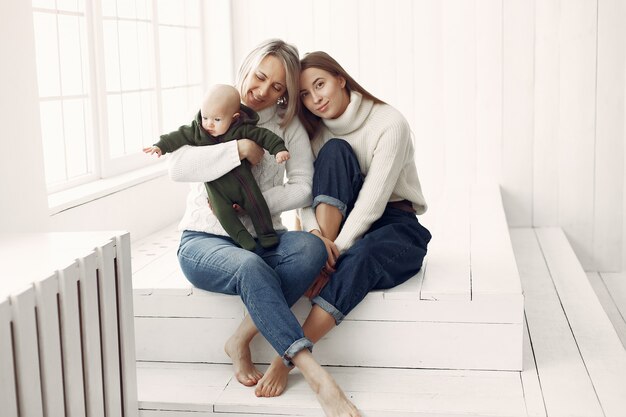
199	164
381	140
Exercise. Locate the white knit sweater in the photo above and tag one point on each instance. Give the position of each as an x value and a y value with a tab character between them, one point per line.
381	139
199	164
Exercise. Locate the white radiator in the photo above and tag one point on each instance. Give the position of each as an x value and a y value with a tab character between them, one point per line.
66	326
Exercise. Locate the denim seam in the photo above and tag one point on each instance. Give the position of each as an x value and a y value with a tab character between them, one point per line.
329	308
332	201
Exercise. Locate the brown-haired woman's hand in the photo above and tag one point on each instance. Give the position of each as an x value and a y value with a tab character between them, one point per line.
249	150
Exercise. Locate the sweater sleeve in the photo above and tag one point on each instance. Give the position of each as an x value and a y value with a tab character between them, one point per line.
175	140
296	192
264	138
203	163
381	178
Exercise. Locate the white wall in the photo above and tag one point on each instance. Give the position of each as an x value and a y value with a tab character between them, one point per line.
140	210
530	93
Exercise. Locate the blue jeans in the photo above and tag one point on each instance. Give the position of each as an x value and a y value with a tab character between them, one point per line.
390	252
269	281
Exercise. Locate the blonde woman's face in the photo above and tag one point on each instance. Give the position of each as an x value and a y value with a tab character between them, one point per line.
265	84
323	93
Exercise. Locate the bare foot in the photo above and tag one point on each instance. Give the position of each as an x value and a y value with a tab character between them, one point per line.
274	381
332	398
245	371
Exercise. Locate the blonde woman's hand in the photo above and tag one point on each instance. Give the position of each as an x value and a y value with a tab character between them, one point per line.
249	150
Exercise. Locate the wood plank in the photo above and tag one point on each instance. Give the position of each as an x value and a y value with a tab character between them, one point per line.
124	285
49	337
108	327
616	284
448	276
494	270
517	110
533	397
577	110
545	198
74	388
609	304
8	389
26	353
90	330
488	90
459	90
353	343
608	206
601	349
565	383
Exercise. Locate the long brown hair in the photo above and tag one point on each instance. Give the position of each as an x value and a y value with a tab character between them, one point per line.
323	61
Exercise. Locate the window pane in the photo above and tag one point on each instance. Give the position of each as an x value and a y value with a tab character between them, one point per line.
194	58
67	5
52	138
126	9
75	137
176	111
146	55
144	9
192	11
115	125
131	103
171	12
109	8
111	56
173	57
71	55
129	51
148	112
44	4
47	54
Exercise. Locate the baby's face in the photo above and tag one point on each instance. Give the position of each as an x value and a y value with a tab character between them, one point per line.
215	118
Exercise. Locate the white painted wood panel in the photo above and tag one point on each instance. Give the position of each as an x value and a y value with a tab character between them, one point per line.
545	197
70	336
530	379
109	331
90	330
488	153
608	302
123	277
566	386
609	135
577	54
8	390
517	110
26	353
48	335
601	349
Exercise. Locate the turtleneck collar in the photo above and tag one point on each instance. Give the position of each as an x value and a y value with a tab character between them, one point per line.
352	118
266	114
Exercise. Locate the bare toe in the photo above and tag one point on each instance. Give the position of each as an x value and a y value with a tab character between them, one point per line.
245	371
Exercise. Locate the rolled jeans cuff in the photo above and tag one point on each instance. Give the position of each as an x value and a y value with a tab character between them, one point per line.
296	347
329	308
331	201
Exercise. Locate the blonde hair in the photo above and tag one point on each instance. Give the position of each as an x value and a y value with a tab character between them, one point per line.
325	62
290	58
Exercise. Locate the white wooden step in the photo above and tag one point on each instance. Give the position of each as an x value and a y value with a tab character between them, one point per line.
580	361
168	390
464	310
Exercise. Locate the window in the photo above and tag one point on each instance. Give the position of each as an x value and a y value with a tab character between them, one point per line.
112	76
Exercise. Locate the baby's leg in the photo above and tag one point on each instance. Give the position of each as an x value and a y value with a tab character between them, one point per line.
223	209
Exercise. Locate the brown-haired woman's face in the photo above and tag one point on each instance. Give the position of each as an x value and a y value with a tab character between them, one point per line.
265	84
323	93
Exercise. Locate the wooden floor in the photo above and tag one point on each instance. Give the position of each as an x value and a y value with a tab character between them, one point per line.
574	361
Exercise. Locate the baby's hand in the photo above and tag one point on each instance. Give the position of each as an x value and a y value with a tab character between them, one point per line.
282	156
153	150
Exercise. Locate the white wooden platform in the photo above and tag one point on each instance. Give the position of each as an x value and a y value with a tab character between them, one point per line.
464	310
573	364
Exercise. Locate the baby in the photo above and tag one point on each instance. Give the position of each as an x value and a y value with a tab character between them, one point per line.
221	119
